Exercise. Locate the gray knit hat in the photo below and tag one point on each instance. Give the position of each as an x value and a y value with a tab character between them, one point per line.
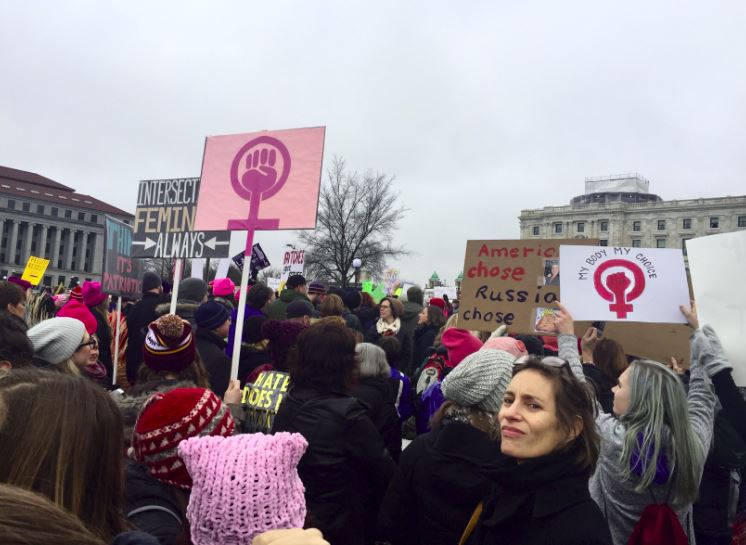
56	340
480	380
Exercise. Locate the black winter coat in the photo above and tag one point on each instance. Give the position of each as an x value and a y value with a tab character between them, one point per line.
437	485
138	319
251	358
211	349
543	501
424	338
372	336
345	469
151	506
377	395
368	316
602	385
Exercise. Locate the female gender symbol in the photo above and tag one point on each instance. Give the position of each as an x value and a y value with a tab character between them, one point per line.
259	182
616	286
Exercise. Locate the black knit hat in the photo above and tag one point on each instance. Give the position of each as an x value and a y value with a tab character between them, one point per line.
210	315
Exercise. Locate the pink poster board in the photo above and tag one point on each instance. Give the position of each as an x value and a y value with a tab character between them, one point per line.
265	180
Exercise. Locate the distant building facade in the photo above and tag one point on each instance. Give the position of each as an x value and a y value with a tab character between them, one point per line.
44	218
619	211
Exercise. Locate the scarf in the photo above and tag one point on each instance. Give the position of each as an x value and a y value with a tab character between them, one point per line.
388	330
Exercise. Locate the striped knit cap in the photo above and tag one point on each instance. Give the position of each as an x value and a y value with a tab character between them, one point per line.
169	344
169	418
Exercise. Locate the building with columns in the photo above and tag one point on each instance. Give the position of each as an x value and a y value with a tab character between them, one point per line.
44	218
619	211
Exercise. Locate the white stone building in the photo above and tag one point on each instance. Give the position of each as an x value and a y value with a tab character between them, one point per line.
620	211
44	218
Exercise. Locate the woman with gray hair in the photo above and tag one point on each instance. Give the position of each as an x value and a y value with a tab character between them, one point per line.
653	448
376	392
440	478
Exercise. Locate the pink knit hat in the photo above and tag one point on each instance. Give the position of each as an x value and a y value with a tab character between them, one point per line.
76	309
222	287
243	485
92	293
507	344
460	343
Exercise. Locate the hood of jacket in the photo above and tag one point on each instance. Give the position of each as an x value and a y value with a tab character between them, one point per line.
184	308
411	310
288	296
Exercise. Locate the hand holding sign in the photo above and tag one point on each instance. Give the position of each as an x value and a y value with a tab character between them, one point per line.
564	321
691	315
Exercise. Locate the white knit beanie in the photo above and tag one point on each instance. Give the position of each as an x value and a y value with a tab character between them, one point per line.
55	340
480	380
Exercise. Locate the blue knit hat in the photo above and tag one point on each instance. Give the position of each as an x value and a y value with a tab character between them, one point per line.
211	315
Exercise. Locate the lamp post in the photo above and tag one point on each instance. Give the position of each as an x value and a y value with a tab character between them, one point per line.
357	263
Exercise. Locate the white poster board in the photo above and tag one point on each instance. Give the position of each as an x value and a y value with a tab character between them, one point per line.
716	265
623	284
450	291
274	283
292	263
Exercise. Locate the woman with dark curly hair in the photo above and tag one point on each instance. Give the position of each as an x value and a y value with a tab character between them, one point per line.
345	469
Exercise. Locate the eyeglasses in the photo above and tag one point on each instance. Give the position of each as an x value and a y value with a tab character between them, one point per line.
93	343
550	361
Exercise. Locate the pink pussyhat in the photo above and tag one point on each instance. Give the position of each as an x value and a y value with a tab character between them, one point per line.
243	485
222	287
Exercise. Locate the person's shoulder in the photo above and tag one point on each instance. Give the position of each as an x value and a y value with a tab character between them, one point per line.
581	524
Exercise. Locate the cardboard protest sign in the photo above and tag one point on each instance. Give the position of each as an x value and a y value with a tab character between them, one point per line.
164	222
281	170
717	264
293	262
510	282
624	284
35	269
122	274
262	400
658	342
390	280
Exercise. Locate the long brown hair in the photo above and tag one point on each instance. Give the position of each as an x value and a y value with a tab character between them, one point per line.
194	372
61	436
26	518
609	357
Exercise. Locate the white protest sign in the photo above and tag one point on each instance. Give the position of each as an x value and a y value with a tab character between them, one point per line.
450	291
273	283
716	264
617	284
292	263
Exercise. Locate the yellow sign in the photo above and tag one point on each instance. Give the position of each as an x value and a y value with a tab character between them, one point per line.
262	400
35	269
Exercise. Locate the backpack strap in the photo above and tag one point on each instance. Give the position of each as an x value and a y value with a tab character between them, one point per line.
471	524
146	508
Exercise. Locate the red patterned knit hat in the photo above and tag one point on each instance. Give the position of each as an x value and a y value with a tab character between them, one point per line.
77	294
169	344
169	418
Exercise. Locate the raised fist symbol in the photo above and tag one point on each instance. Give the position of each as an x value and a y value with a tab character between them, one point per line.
261	173
618	284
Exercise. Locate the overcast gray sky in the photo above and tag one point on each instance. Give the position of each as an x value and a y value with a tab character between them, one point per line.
480	109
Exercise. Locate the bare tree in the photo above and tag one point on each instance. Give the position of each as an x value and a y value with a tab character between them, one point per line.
358	215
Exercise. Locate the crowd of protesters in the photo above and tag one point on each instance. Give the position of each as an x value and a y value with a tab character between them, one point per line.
398	426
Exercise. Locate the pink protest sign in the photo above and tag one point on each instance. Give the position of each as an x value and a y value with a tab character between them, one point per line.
261	181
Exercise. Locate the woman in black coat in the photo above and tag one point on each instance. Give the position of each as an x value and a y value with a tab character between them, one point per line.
375	390
430	321
346	468
389	325
540	494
